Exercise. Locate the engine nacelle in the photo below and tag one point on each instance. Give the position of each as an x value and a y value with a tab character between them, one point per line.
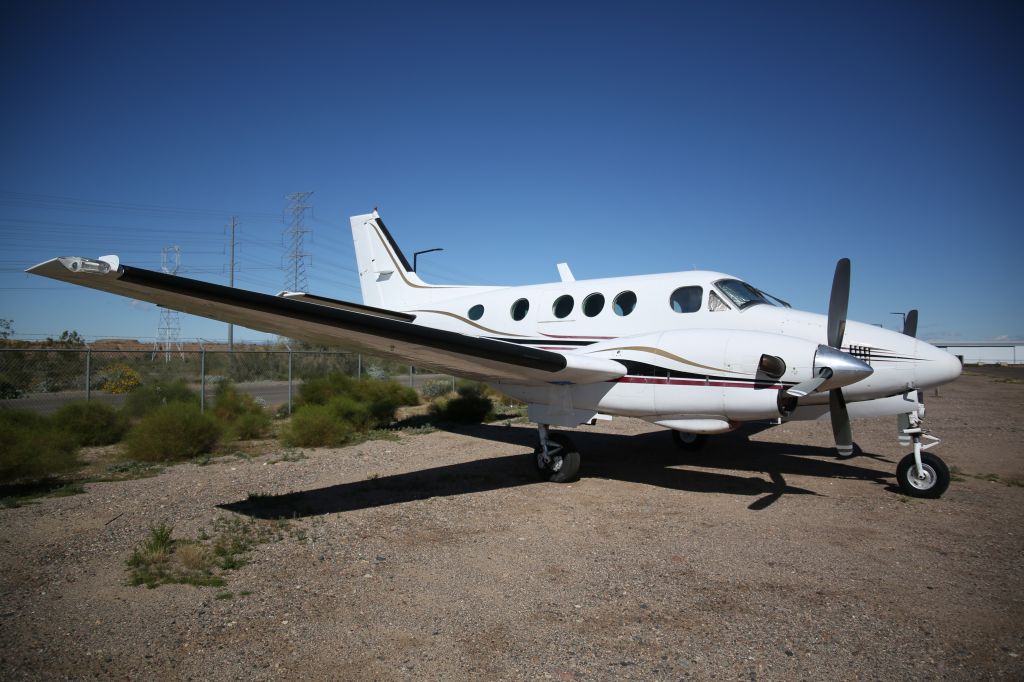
706	374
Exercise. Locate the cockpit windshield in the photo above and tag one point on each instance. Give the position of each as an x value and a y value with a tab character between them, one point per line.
741	293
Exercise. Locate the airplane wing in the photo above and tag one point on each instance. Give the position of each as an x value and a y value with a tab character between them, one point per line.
329	322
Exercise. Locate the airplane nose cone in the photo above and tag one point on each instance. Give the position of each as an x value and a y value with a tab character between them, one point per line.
938	366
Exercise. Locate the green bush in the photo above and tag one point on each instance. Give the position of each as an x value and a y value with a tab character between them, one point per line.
250	426
241	415
32	447
315	426
91	423
149	397
470	406
382	398
355	413
174	431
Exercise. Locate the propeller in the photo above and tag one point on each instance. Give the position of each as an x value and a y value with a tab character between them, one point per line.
910	323
835	368
838	304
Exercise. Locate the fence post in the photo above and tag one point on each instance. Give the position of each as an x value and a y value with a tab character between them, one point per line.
359	366
88	374
411	384
289	380
202	380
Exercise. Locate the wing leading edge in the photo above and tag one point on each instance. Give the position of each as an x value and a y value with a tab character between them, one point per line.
337	323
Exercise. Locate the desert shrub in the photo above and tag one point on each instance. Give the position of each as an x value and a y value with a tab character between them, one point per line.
382	398
356	413
250	426
470	406
242	416
91	423
120	378
435	388
149	397
174	431
320	390
315	426
32	447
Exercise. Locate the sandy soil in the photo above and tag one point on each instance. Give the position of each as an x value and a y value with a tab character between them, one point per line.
441	557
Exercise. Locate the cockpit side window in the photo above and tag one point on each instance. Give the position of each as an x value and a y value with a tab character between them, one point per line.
740	293
716	304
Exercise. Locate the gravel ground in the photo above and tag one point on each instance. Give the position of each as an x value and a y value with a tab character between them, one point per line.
441	557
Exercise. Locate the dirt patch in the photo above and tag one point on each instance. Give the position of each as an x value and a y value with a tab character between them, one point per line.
440	556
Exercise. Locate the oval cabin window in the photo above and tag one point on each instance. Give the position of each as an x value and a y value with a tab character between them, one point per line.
624	303
563	306
519	309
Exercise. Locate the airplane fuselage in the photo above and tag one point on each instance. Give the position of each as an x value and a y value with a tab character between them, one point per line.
691	340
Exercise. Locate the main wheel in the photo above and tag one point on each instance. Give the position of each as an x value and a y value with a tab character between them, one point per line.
691	442
563	464
932	484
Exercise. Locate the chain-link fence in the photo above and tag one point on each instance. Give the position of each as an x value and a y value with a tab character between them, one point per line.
43	380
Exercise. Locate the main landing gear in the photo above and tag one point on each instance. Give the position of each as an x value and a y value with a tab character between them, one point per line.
921	474
556	457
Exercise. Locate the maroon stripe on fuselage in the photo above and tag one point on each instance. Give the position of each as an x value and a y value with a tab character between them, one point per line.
695	382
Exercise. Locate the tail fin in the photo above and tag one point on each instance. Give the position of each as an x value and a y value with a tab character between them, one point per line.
385	276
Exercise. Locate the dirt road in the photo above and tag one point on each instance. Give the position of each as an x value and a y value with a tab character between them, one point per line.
441	557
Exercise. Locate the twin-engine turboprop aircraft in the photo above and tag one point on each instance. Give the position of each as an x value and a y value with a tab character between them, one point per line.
696	352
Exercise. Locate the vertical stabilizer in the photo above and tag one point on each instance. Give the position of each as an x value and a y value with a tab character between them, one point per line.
385	277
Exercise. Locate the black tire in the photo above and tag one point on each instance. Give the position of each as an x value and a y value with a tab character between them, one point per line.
691	442
564	466
936	476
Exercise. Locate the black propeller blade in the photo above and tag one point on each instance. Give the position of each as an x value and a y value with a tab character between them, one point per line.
838	303
910	323
840	422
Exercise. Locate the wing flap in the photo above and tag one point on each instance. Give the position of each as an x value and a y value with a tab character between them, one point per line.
337	323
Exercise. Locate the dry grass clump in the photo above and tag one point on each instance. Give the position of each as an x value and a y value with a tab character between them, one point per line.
162	559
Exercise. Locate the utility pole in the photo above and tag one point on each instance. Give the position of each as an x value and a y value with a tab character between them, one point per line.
296	279
231	281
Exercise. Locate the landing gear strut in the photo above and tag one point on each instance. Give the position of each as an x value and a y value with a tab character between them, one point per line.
556	457
922	474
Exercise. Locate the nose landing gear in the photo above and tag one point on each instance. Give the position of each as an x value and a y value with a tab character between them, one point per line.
921	474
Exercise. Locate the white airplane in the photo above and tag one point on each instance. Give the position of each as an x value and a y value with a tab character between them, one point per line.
696	352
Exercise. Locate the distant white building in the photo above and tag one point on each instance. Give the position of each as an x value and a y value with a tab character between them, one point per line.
986	352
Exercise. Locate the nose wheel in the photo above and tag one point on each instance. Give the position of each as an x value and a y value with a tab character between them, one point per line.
556	457
922	474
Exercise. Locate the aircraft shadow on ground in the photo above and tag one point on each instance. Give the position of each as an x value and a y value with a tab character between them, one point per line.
649	459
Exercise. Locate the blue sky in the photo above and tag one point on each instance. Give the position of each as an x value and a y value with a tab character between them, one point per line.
766	140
